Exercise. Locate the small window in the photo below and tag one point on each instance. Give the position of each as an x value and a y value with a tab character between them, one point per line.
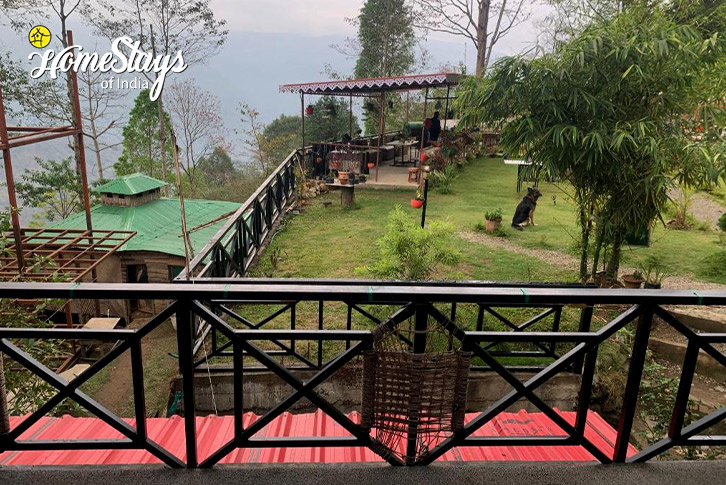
174	271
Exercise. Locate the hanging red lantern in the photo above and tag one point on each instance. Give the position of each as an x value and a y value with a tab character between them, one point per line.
309	110
423	156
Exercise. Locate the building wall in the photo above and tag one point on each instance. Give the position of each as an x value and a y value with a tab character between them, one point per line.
157	269
114	269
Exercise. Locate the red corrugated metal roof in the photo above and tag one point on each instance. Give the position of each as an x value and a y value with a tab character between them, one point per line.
214	431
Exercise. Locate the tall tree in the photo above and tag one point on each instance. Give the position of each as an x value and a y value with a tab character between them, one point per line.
604	111
385	46
164	27
287	130
141	149
54	188
195	114
217	168
483	22
261	150
386	37
102	115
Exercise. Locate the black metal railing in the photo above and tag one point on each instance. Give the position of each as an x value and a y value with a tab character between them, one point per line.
357	316
406	302
235	246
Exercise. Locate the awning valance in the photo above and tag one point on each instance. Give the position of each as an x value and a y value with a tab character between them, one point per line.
374	85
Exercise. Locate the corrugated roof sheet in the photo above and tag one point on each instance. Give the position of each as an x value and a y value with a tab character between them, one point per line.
133	184
157	223
214	431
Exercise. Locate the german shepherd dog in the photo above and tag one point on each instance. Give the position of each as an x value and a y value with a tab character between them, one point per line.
524	214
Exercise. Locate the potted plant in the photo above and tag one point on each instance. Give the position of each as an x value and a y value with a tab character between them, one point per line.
494	220
418	201
653	273
633	280
343	178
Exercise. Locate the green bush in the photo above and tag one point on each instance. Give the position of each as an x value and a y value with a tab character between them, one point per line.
722	222
408	252
715	265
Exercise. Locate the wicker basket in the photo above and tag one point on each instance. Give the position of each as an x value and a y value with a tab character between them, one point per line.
406	394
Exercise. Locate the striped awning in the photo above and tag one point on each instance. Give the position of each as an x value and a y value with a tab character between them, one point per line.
374	84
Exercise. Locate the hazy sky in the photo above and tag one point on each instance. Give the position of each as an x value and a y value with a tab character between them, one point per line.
324	17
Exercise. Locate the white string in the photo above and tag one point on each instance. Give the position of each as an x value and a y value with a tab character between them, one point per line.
209	375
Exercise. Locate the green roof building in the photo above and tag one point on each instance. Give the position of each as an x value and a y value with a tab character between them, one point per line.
156	253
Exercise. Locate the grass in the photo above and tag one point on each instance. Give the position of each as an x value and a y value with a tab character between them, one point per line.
331	242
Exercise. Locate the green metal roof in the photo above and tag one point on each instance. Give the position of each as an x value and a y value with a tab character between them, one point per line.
157	223
133	184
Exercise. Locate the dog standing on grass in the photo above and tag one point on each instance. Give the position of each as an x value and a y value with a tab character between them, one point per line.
524	214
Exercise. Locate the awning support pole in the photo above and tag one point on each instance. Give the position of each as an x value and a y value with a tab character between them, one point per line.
381	129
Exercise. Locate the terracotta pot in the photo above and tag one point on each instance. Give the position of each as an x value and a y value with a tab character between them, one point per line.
493	225
417	203
630	281
344	178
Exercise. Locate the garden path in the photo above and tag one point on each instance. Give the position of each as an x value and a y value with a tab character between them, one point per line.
564	260
706	209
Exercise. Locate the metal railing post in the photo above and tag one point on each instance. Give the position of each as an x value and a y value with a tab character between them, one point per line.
585	323
185	342
632	386
4	413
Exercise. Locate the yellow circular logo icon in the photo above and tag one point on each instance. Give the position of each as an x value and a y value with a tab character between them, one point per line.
39	36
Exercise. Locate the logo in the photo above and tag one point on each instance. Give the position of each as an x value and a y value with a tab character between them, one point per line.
126	57
39	36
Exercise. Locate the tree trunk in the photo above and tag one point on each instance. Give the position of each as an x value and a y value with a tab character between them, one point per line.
482	37
599	238
4	416
611	271
586	223
162	144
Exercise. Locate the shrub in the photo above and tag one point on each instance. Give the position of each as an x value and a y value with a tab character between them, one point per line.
442	179
715	265
722	222
410	253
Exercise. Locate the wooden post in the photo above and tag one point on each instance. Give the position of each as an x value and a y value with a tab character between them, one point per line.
10	179
81	146
423	126
78	121
347	195
302	148
446	109
381	129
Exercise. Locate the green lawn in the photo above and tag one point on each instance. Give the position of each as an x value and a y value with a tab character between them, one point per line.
332	242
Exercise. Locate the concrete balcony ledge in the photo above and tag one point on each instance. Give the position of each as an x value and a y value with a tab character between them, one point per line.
656	473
